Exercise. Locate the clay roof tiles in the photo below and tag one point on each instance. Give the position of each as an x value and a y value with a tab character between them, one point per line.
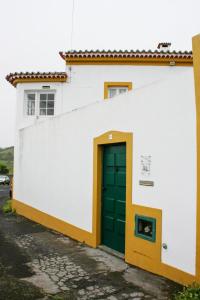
14	78
125	54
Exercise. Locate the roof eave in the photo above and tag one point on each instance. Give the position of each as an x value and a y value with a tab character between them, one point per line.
15	78
169	61
34	80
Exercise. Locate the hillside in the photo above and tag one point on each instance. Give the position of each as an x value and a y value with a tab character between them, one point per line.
6	157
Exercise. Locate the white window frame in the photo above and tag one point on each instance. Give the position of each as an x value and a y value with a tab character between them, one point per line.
37	103
26	104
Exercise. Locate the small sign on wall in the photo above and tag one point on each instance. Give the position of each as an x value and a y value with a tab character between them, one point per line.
145	165
146	183
145	170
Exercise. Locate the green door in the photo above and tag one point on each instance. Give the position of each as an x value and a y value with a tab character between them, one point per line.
114	197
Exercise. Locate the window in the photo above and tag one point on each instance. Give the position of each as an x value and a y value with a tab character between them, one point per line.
39	103
115	91
30	107
46	104
145	228
112	89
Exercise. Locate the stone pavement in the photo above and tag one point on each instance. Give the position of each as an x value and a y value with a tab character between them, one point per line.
61	268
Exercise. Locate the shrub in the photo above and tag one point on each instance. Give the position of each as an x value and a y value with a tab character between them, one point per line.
7	207
3	169
191	292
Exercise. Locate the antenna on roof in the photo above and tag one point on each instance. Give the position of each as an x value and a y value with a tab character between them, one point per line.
69	68
72	27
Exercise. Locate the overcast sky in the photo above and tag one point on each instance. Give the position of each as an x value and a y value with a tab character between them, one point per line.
34	31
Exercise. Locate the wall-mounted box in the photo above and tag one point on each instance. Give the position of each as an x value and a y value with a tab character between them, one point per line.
145	228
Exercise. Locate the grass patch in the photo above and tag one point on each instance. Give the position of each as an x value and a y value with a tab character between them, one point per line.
7	207
15	289
190	292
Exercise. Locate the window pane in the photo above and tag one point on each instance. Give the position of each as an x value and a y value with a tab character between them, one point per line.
50	96
123	90
43	96
112	92
43	112
30	107
43	104
50	112
50	104
30	96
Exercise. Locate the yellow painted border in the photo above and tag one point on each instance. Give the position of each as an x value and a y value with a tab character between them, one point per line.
129	61
30	80
52	222
110	137
107	85
196	57
141	252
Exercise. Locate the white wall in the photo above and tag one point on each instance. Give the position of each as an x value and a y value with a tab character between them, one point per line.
54	160
86	85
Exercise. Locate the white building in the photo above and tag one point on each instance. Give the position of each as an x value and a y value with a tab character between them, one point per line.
108	152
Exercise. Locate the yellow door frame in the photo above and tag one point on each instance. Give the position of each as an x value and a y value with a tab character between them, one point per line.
110	137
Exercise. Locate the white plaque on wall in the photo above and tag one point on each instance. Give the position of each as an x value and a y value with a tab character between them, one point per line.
145	165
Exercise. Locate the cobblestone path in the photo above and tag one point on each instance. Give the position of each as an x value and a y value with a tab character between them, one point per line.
37	263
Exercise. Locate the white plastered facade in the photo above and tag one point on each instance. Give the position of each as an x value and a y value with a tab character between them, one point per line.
54	156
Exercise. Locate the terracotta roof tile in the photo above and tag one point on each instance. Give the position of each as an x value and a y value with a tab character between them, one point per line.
125	54
14	78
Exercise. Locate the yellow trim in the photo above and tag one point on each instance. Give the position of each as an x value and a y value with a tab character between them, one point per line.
110	137
128	61
196	57
147	255
143	250
52	222
107	85
137	252
29	80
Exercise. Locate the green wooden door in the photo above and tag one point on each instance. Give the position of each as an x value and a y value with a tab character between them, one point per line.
114	197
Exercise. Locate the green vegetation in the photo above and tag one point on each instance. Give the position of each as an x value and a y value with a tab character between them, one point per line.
7	207
190	292
6	160
12	288
3	169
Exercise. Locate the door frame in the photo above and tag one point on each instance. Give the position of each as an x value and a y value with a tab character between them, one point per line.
110	137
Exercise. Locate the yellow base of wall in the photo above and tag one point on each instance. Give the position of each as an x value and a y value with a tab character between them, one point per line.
83	236
161	269
53	223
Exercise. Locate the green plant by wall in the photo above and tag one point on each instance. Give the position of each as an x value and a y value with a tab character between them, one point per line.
7	207
191	292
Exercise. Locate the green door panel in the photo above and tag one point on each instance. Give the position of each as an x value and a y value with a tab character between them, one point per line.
121	209
110	178
114	196
110	160
121	159
108	223
121	227
121	178
109	205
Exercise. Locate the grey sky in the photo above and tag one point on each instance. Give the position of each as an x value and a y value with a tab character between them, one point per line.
34	31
